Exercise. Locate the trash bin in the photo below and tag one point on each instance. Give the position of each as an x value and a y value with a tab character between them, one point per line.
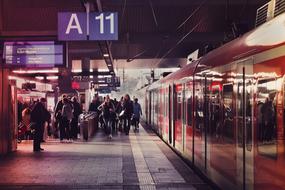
83	123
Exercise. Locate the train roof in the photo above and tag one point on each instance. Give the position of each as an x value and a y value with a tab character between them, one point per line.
267	36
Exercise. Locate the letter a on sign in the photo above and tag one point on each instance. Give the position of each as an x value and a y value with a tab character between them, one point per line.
72	26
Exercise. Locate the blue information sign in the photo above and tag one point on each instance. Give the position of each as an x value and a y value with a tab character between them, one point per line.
72	26
33	54
103	26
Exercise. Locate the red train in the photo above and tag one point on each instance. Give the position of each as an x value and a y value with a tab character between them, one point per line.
225	112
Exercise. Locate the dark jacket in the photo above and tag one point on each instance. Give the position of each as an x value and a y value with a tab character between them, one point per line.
106	107
94	106
40	114
76	109
128	107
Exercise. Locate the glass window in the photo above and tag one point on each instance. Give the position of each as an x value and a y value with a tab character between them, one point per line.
189	111
179	104
266	117
228	111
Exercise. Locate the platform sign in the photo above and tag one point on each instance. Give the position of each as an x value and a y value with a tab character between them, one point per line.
33	54
110	81
103	26
73	26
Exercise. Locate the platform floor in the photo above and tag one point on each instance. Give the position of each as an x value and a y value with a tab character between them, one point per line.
138	161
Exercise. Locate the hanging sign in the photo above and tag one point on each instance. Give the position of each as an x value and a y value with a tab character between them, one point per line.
96	25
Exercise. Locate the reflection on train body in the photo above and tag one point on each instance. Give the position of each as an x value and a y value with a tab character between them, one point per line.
225	112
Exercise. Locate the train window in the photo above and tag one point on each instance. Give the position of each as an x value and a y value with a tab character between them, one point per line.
245	107
228	111
267	117
179	104
189	110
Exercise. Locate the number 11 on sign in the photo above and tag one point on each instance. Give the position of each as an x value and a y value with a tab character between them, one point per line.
104	26
101	18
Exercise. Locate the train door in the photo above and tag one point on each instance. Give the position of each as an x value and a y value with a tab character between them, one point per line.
166	114
184	117
244	123
200	124
269	134
174	111
149	108
188	106
170	110
178	121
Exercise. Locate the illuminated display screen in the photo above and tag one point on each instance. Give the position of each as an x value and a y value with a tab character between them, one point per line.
33	54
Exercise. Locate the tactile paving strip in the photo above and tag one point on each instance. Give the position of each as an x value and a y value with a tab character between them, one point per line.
145	179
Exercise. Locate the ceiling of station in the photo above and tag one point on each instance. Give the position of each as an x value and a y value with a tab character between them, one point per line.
147	28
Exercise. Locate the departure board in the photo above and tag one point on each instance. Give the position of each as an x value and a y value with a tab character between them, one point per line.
33	54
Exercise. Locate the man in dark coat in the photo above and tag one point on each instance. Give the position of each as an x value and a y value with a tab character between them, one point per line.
39	116
128	107
94	104
74	122
57	113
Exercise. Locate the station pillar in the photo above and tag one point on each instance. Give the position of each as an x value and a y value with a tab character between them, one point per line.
8	103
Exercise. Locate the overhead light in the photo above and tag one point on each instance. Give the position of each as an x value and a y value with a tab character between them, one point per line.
52	77
103	70
110	65
90	70
76	70
36	71
91	76
39	78
105	55
103	84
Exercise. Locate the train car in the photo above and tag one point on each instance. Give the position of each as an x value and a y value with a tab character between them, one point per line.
225	112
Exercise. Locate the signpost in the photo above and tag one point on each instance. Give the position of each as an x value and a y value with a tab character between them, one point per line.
80	82
73	26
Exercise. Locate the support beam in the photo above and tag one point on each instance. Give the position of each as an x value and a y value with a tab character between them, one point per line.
105	47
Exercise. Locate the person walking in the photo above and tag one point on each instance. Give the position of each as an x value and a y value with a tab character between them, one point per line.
128	112
137	113
39	115
107	109
57	113
67	115
119	111
74	122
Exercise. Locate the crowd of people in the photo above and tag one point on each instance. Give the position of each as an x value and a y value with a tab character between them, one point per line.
112	116
117	115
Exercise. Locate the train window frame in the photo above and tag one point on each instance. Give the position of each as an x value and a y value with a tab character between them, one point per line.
262	145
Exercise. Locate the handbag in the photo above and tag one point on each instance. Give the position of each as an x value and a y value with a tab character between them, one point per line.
122	113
